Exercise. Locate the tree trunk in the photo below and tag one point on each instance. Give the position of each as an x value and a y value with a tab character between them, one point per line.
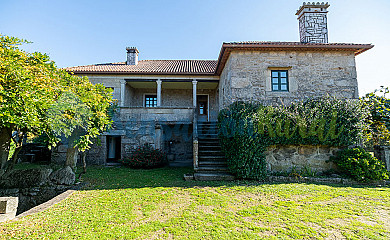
14	158
5	142
83	154
71	157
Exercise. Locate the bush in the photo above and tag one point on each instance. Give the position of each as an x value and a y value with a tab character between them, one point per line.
247	129
145	157
360	165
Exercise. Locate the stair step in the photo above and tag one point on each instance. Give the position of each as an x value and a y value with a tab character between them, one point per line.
213	176
210	139
211	135
210	147
212	163
210	153
210	157
212	169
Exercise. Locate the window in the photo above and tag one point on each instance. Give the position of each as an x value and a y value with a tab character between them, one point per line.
279	80
150	100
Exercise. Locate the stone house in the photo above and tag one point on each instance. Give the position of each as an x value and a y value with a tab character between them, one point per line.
161	101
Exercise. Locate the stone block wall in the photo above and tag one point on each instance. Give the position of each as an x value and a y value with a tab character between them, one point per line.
35	186
177	143
298	157
8	208
247	76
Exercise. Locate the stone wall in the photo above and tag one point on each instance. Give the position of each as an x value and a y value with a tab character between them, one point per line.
8	208
298	157
177	143
35	186
247	76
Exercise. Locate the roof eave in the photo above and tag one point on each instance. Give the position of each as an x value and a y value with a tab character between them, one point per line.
228	47
139	73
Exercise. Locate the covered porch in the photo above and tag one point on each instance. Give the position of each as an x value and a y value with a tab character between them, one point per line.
168	99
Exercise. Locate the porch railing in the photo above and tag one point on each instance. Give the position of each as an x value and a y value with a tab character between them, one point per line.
160	114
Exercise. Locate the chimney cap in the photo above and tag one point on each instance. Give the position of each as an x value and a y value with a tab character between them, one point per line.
313	5
132	49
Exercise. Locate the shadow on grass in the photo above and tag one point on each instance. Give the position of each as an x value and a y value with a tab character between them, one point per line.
106	178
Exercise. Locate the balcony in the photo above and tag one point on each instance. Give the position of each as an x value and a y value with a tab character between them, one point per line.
159	114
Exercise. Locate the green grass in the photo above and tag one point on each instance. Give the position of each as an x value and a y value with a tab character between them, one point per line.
121	203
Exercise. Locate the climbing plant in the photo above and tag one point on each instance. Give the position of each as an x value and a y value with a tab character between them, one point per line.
247	129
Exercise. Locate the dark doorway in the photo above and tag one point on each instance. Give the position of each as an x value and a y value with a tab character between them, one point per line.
202	107
113	149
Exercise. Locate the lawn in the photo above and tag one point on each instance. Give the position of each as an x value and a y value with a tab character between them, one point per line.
121	203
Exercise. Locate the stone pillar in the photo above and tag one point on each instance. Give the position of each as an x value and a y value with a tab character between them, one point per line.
123	90
158	136
158	92
194	83
8	208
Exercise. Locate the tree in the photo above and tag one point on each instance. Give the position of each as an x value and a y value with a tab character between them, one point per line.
31	86
379	120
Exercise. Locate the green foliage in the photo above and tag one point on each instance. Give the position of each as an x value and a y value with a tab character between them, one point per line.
38	98
360	165
145	157
379	120
247	129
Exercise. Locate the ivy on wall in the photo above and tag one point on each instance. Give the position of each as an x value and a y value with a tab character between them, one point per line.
247	129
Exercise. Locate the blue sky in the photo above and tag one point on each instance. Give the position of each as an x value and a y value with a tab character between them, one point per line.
81	32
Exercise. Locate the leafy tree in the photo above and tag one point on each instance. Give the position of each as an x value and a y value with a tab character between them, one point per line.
31	87
379	120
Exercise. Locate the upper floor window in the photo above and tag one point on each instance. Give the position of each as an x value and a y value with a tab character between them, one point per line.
279	80
150	100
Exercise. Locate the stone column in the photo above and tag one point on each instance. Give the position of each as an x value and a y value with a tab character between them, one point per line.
158	136
194	83
158	92
123	90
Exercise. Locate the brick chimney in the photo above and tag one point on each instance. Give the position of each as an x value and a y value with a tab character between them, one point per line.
313	22
132	56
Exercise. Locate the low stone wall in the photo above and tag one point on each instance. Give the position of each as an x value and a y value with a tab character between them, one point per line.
8	207
35	186
298	157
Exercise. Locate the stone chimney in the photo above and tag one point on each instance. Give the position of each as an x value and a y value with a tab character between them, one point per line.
132	56
313	22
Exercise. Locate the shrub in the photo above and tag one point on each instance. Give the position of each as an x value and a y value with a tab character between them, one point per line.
247	129
145	157
360	165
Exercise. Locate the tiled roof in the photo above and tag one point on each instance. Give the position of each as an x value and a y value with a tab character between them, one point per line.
191	67
285	46
211	67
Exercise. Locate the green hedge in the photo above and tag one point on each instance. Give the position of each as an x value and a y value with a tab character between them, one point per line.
247	129
360	165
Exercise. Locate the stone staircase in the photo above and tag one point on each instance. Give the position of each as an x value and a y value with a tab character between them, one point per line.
212	164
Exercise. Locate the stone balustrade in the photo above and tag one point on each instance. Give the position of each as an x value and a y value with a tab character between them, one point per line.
158	114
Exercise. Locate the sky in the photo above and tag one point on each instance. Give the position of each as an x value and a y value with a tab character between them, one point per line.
83	32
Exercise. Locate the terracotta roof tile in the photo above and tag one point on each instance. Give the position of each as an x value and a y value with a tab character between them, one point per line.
212	67
193	67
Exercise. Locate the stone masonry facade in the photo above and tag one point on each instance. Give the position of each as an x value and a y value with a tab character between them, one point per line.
247	76
313	28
